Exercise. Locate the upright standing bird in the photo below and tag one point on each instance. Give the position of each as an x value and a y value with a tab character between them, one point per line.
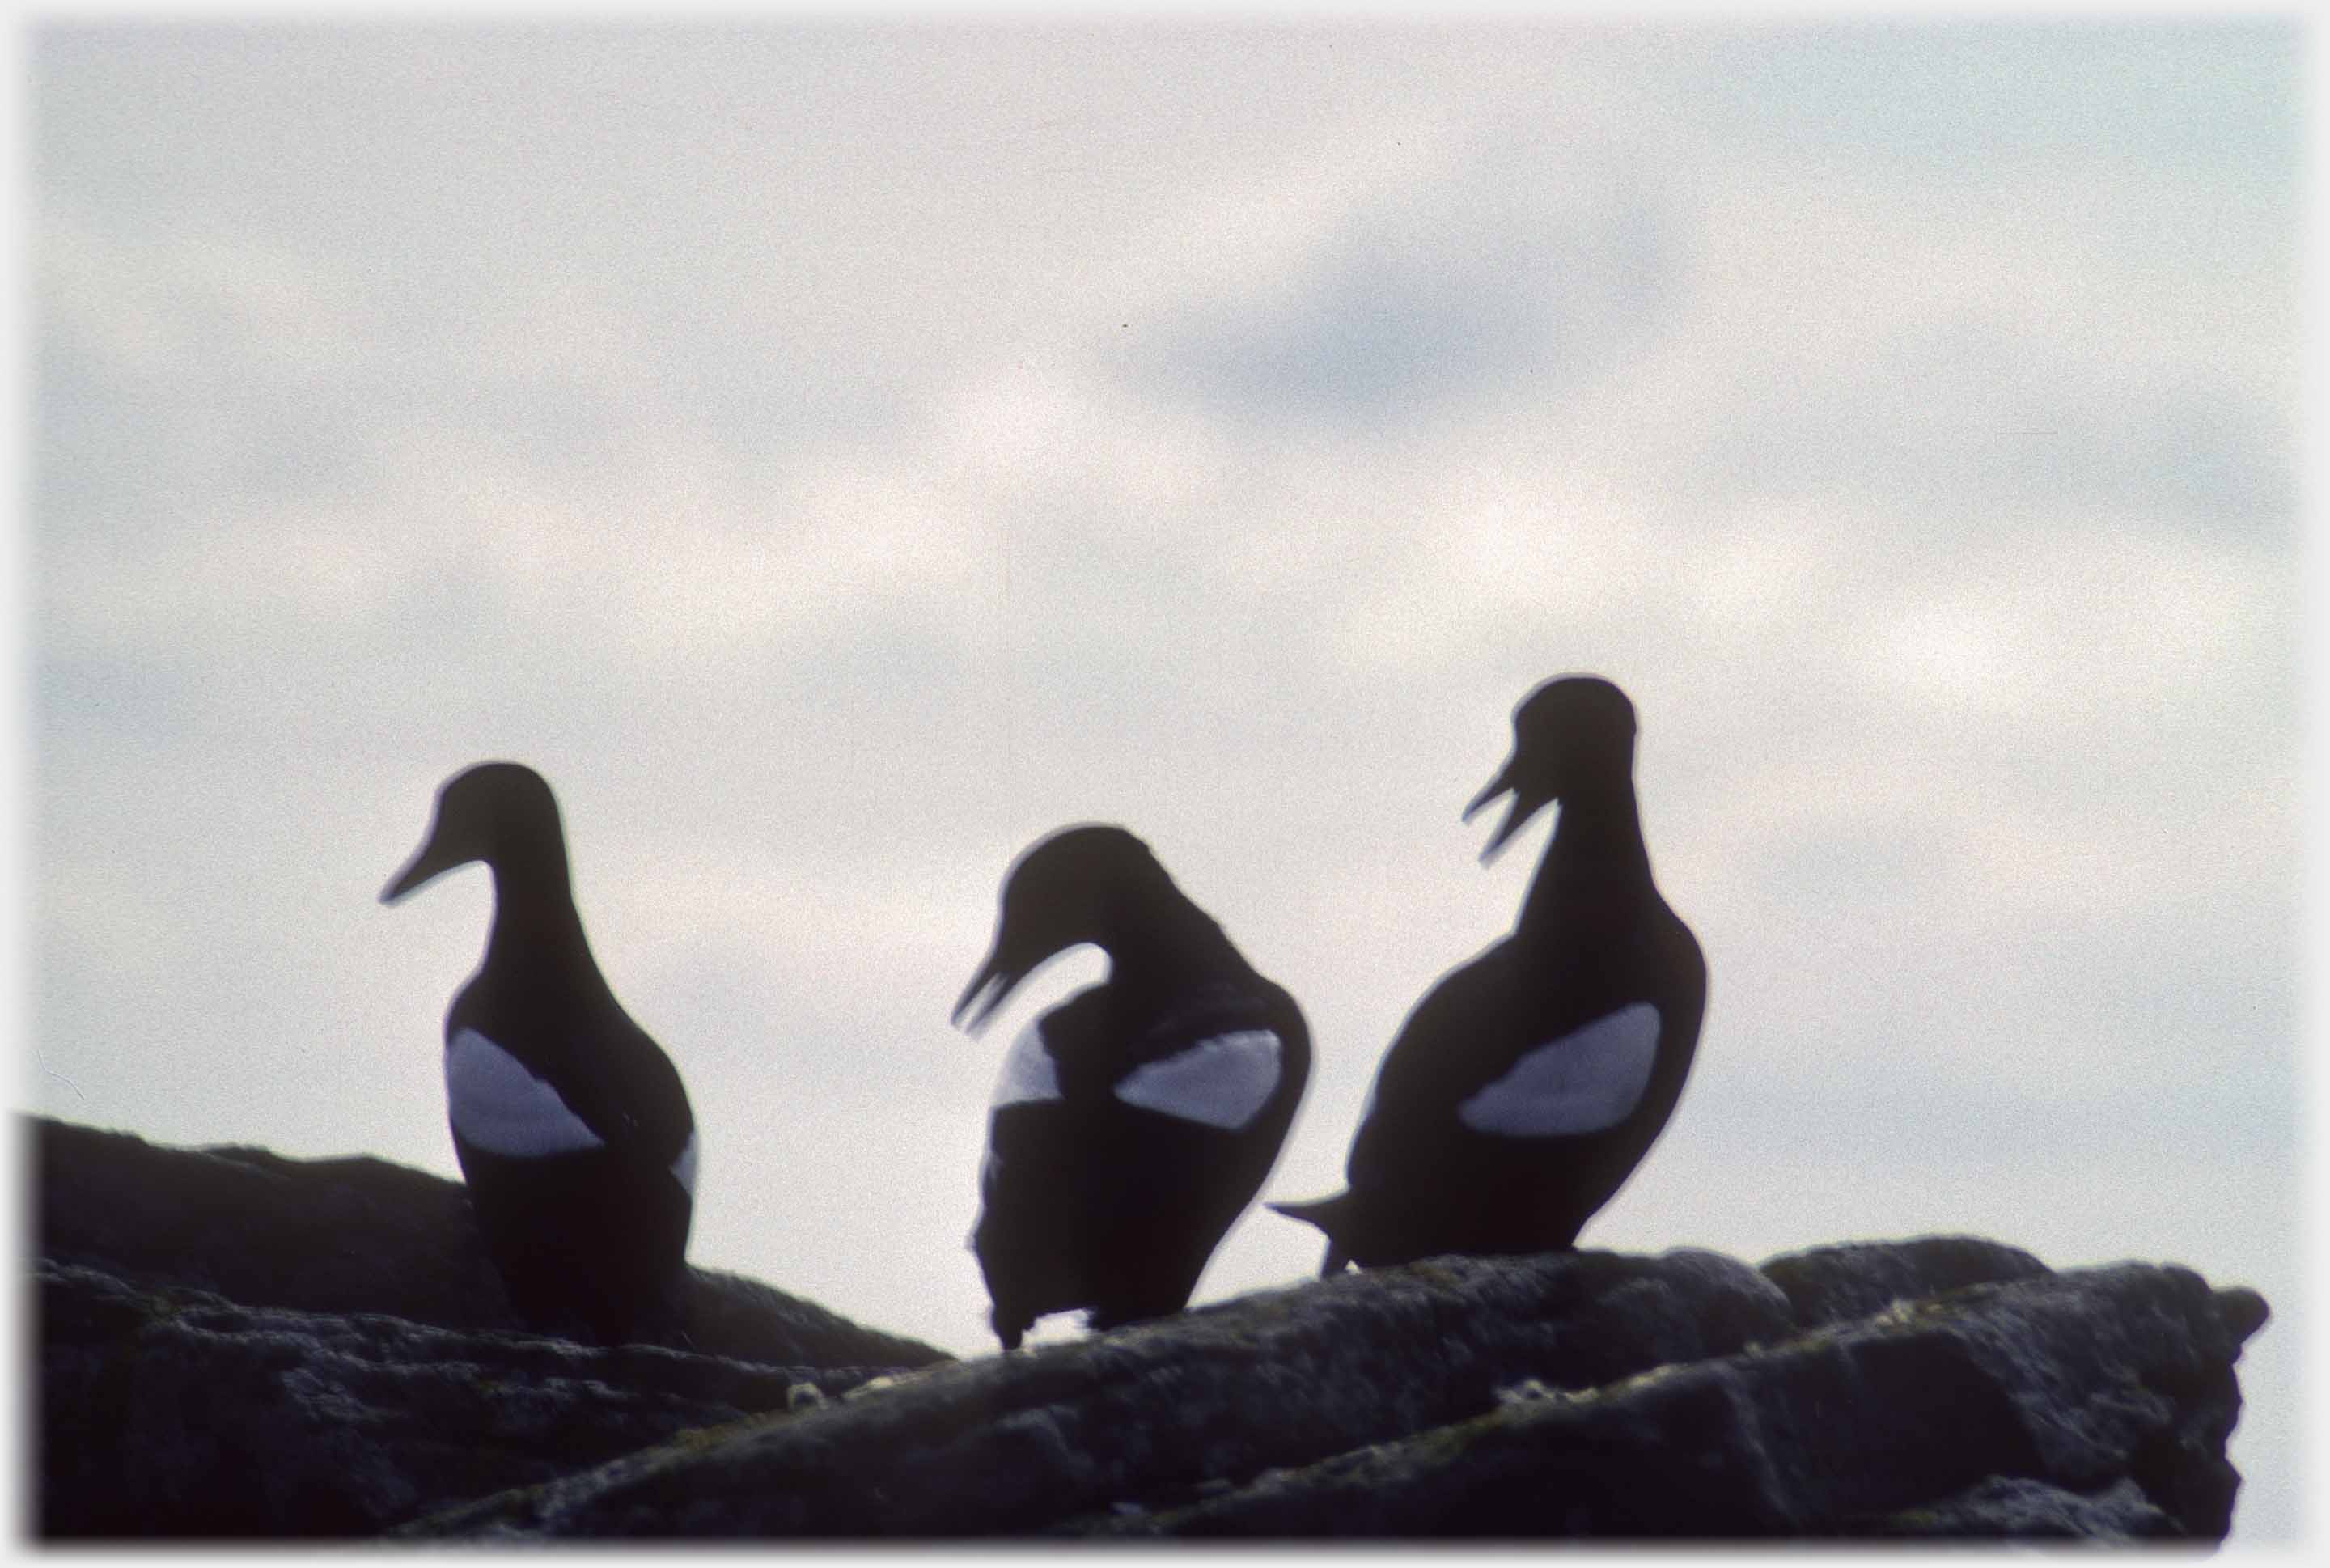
572	1126
1528	1084
1132	1122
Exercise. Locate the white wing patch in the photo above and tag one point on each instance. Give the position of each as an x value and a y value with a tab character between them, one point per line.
1221	1081
1588	1080
497	1103
1027	1072
683	1169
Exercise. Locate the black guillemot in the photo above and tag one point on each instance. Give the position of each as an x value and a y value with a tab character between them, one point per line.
1131	1123
1527	1085
571	1124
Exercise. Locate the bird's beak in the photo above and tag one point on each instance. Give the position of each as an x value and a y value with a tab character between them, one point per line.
1526	805
431	859
985	993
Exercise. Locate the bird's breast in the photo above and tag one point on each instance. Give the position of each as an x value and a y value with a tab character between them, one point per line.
1028	1072
499	1104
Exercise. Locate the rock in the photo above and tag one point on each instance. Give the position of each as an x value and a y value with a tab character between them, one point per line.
2000	1508
357	1235
1017	1443
235	1344
1836	1284
1666	1398
2030	1406
174	1412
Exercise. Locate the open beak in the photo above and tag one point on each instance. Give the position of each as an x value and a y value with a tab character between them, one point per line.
1526	805
985	993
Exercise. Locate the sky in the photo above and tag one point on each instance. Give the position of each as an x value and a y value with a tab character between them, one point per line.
836	456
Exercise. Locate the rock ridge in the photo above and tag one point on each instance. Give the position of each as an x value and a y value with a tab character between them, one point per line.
233	1344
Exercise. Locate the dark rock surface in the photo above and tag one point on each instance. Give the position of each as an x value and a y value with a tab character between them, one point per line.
356	1235
224	1353
1837	1284
235	1343
1999	1508
2069	1381
175	1413
1016	1444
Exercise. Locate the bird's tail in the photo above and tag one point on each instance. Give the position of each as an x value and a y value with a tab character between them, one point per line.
1327	1213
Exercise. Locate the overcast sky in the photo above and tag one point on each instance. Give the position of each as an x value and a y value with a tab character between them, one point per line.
835	456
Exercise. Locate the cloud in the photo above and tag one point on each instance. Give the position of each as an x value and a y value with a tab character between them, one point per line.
1541	260
1975	355
1961	99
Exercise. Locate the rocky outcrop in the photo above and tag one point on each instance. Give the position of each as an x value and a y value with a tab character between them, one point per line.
1585	1394
2095	1402
235	1344
356	1235
1937	1388
175	1413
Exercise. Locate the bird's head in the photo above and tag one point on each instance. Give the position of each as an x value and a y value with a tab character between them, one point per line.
1061	893
1573	732
496	811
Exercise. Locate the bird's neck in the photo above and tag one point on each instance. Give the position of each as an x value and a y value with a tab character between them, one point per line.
1171	942
534	914
1595	861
